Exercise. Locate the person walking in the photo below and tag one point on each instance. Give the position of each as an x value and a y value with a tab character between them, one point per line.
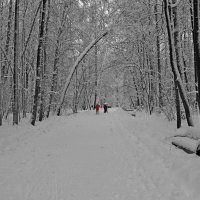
105	107
97	107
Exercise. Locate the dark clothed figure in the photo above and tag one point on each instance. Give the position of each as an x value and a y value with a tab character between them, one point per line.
105	107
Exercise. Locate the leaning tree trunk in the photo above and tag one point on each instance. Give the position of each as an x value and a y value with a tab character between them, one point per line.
39	64
79	59
15	68
175	71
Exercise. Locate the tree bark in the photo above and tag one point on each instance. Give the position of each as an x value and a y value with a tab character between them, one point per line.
158	57
15	68
8	37
95	58
56	62
1	68
79	59
43	66
196	47
23	64
39	64
178	61
175	69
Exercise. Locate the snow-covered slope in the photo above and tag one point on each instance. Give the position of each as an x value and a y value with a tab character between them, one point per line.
96	157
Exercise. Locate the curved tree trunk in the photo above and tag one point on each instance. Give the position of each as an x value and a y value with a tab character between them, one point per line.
79	59
175	71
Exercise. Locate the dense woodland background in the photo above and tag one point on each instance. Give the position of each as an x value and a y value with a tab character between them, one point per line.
58	55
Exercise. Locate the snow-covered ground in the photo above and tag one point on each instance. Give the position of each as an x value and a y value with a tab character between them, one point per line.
112	156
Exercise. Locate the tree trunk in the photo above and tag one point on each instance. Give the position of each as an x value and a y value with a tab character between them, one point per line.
8	37
23	64
196	46
175	69
96	76
1	113
39	64
56	62
43	65
1	90
178	61
136	89
15	68
184	63
44	76
79	59
1	68
178	106
158	57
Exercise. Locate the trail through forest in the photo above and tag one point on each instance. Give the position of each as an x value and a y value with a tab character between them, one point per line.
111	156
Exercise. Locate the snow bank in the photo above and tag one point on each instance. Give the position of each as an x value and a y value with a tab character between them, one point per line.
188	144
190	132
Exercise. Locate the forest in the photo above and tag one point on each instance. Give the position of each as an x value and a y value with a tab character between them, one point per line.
58	55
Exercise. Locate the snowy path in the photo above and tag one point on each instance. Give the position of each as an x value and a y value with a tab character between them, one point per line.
85	157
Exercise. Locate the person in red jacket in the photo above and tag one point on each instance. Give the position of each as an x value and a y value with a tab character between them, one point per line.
97	107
